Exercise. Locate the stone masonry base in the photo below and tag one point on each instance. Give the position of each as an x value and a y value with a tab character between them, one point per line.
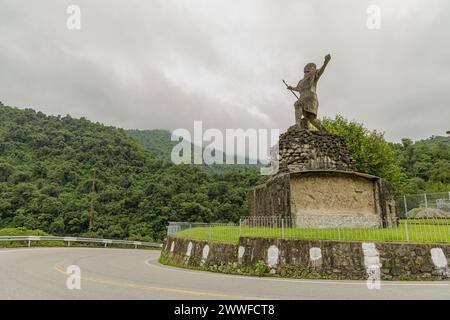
313	259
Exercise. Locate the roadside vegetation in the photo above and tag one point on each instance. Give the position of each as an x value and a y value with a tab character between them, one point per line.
10	232
21	232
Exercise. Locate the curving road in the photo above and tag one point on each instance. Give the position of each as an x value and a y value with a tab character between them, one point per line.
40	273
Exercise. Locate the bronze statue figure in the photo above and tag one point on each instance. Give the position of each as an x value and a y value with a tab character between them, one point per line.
307	104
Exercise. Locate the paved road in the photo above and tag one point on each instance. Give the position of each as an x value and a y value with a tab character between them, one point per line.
39	273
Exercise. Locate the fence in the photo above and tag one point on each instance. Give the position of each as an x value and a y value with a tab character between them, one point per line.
417	205
70	240
424	229
204	231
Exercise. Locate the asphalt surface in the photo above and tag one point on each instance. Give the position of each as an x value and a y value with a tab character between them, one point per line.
40	273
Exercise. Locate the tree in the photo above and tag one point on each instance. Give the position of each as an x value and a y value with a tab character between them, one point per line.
425	161
372	153
440	172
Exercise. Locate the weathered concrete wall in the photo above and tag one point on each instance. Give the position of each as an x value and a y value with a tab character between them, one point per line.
271	198
338	197
322	193
314	259
385	201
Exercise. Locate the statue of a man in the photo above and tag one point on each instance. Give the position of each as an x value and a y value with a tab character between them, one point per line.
308	104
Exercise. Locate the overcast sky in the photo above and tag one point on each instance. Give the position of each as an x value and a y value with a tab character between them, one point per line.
151	64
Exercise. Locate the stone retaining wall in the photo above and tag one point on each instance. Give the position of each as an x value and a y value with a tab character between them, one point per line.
271	198
197	253
301	150
313	259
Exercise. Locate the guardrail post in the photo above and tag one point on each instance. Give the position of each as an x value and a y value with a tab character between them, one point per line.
282	228
210	232
426	201
29	243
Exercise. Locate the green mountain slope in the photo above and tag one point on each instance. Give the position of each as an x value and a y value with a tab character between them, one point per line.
427	163
46	172
159	143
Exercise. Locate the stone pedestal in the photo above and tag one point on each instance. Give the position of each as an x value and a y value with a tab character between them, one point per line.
301	150
317	186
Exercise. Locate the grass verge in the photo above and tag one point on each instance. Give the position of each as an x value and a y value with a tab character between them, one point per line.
423	231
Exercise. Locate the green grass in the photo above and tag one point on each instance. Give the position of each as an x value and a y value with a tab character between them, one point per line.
423	231
427	221
26	232
21	232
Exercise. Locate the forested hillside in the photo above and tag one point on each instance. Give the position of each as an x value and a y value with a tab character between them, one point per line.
47	165
159	143
156	141
427	163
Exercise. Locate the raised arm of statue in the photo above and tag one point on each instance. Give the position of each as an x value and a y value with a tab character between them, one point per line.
322	69
297	88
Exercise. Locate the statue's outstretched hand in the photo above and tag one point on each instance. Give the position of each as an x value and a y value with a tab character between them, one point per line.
327	57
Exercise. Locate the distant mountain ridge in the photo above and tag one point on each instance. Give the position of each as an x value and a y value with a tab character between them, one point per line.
157	141
160	144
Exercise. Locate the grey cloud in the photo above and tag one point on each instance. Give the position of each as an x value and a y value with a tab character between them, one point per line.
164	64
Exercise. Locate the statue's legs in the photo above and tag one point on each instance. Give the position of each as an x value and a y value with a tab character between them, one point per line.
312	118
298	113
304	124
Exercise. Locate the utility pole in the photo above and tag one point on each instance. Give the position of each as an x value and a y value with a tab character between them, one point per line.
91	209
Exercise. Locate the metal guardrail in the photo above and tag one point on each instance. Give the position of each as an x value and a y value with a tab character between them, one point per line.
69	240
